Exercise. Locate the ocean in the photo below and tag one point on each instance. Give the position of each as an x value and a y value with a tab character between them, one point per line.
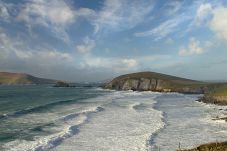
42	118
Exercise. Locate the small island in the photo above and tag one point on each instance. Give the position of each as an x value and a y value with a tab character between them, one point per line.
63	84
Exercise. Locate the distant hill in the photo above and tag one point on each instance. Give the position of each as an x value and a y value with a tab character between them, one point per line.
7	78
145	81
151	81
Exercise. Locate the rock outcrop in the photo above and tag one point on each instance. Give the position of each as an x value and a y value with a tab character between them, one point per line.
142	84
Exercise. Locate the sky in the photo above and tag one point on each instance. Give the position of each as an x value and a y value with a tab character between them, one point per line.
95	40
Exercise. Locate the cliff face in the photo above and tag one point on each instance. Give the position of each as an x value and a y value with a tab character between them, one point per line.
142	84
149	81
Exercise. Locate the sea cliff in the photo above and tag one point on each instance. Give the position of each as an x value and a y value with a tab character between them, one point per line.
215	93
151	81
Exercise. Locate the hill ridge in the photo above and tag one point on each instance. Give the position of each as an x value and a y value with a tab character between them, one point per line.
153	81
9	78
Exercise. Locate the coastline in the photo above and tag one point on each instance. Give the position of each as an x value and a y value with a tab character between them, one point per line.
217	100
213	146
186	121
215	103
174	109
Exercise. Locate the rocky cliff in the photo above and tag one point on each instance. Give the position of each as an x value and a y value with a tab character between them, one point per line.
151	81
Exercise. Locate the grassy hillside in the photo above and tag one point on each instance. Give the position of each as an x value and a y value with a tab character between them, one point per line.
167	81
7	78
150	75
218	89
214	92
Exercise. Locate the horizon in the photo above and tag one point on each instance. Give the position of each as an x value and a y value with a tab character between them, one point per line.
103	80
84	41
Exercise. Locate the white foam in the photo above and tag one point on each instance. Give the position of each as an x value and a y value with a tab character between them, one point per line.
119	127
133	105
188	122
66	127
47	142
128	122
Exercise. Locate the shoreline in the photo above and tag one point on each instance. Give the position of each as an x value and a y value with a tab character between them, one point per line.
221	101
212	146
189	133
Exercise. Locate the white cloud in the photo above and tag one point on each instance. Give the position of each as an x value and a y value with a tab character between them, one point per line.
192	16
118	14
87	46
203	12
164	29
204	9
109	64
172	7
218	24
16	50
4	13
4	45
54	12
122	65
43	57
16	56
130	62
57	15
85	12
194	48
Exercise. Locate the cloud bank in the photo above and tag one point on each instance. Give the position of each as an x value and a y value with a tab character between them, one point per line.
77	41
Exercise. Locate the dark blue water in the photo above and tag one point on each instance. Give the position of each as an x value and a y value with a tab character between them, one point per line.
19	102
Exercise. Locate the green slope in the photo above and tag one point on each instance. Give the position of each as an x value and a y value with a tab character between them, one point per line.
173	83
7	78
214	92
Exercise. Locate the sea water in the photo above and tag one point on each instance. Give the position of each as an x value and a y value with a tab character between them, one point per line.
92	119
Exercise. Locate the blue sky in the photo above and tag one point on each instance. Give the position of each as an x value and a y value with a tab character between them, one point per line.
84	40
